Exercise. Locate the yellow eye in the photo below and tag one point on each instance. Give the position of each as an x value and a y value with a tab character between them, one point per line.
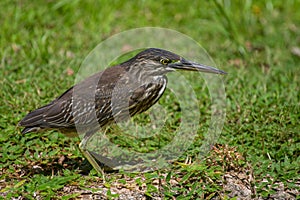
164	61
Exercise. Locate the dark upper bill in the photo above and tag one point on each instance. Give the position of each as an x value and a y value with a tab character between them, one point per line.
192	66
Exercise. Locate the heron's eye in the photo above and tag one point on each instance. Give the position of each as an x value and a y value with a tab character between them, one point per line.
164	61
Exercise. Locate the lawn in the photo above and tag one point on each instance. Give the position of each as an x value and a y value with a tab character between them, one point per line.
42	46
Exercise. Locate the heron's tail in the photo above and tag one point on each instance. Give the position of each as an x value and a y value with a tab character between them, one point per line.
34	121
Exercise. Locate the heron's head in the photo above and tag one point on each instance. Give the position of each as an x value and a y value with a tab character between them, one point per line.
159	62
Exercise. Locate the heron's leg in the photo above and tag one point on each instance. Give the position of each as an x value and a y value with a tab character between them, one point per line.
88	156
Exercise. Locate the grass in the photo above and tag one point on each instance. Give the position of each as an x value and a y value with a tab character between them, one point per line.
43	45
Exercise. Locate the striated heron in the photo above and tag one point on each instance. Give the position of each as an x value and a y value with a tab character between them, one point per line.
119	92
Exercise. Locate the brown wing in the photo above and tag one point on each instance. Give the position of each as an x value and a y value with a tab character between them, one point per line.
74	105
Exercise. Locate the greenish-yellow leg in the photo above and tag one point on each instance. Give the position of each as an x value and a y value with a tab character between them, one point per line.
89	157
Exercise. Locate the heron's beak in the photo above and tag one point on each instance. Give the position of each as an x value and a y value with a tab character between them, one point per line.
192	66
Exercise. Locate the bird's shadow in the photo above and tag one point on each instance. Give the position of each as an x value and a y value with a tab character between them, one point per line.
58	167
